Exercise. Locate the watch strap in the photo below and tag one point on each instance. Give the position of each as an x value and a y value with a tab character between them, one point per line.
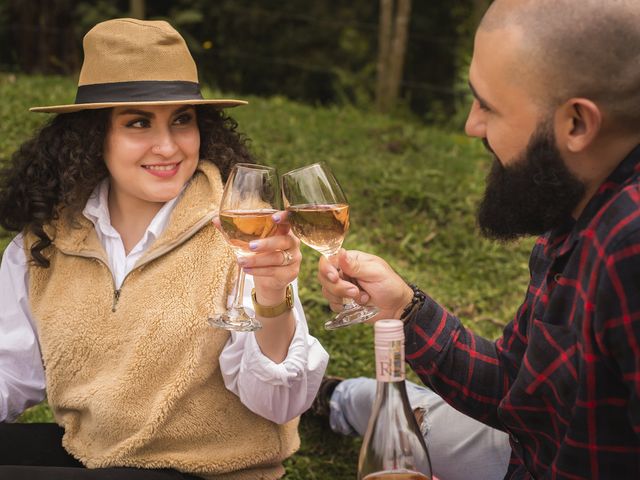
275	310
419	297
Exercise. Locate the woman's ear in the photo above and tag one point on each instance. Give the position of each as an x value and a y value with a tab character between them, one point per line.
578	123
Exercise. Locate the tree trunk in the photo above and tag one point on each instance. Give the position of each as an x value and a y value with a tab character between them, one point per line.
44	36
384	46
392	45
398	50
137	8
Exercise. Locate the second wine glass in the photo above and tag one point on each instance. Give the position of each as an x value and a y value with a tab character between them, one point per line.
318	212
251	196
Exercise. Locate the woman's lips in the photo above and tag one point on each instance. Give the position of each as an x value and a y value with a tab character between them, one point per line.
163	170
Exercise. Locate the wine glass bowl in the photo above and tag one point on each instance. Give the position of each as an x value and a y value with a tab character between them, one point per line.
321	227
240	227
318	212
251	196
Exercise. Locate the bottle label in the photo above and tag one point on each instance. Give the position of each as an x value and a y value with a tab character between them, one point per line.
390	362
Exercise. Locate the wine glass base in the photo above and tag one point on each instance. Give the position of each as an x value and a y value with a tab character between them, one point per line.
236	320
351	316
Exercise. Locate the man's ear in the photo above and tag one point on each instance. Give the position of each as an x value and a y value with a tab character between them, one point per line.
578	123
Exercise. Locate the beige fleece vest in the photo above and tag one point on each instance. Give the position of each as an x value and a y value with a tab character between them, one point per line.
135	380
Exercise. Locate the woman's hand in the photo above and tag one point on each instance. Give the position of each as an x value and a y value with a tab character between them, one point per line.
276	262
274	266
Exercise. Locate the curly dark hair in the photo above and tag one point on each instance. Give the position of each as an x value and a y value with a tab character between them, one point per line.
62	163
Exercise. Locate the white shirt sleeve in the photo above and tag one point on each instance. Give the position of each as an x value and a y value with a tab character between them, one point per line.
276	391
22	382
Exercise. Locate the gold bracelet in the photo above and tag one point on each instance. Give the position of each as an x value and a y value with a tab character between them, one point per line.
276	310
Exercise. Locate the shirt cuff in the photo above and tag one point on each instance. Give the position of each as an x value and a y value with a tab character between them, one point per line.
428	332
265	370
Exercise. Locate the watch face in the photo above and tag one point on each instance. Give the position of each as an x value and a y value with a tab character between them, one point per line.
289	296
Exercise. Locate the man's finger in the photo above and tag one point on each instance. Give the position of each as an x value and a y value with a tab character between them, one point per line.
327	271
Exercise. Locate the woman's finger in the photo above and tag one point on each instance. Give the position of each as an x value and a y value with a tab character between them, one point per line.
277	258
277	242
280	218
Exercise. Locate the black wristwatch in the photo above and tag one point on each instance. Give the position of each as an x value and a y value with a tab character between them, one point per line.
419	297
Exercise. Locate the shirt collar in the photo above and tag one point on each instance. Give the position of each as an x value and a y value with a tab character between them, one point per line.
97	211
562	239
97	208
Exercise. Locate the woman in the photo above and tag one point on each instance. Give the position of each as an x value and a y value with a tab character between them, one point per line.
117	265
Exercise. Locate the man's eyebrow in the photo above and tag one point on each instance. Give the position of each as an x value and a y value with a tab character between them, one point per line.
481	100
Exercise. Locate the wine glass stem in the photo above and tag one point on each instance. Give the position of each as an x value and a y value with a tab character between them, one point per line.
346	301
237	299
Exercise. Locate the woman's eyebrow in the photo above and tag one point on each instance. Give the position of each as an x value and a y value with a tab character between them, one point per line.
134	111
144	113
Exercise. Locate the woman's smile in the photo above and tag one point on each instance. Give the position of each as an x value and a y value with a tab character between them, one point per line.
163	170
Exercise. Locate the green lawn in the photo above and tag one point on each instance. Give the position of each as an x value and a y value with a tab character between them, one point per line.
413	191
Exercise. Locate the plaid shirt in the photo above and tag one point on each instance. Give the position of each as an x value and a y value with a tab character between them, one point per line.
564	378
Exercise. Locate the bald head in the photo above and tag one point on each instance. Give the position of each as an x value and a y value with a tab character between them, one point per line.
577	48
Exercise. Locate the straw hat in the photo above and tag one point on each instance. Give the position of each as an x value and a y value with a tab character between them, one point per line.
136	62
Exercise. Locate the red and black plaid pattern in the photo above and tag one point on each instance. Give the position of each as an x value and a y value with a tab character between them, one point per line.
564	378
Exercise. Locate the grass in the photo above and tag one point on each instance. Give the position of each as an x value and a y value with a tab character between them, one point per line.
413	192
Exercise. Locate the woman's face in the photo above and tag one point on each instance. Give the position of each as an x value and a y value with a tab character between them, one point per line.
151	152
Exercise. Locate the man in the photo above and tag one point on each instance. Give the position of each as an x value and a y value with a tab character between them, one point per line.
557	102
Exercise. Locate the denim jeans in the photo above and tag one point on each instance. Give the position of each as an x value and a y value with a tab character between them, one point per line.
459	446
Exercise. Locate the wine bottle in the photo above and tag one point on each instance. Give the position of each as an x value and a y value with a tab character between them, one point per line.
393	446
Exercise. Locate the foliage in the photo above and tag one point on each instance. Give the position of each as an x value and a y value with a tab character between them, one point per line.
317	52
413	192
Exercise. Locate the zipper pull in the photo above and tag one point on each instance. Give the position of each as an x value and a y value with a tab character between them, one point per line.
116	297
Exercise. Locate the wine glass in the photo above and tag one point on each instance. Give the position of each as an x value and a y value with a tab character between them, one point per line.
251	196
318	213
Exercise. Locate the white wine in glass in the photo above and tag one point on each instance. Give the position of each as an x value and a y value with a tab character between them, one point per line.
251	196
318	213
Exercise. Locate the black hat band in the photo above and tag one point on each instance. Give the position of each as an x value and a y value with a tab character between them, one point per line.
140	91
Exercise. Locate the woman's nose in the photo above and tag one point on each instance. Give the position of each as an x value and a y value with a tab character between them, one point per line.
164	145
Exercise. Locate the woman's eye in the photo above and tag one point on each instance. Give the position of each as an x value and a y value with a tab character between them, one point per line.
183	119
138	123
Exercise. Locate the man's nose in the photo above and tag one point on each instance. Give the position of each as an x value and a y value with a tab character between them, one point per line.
475	125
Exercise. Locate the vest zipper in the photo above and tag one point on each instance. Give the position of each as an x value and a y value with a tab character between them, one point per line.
116	297
117	292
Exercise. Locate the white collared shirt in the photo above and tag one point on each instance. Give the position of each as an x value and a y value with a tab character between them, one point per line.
278	392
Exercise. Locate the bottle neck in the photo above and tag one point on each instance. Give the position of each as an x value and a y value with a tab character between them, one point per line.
390	361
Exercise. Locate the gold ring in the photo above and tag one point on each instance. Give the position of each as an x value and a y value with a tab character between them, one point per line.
287	258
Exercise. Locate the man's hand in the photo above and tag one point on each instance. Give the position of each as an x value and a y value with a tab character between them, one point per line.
378	283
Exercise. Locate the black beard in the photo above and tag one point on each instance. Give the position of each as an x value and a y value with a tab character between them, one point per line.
535	194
